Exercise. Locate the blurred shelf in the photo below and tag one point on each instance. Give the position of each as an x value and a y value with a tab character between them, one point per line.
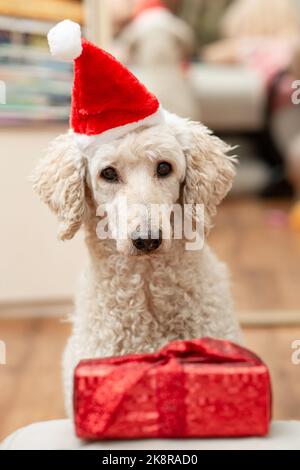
24	26
52	10
38	86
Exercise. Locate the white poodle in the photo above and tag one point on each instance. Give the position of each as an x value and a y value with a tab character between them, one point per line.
155	45
128	303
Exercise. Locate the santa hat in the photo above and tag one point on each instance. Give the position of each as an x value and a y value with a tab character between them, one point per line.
107	99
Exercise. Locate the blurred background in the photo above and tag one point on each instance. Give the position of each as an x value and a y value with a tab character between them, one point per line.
234	65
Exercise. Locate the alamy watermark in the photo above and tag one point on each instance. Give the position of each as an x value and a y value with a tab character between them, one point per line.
121	221
2	353
296	93
2	92
295	358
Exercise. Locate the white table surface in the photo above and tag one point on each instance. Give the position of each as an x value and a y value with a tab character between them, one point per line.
59	435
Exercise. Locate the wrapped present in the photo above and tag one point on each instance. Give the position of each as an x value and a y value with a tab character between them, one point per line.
197	388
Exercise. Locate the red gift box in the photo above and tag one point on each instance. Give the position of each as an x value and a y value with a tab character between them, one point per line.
198	388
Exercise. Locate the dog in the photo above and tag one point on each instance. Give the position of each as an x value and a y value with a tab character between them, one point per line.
157	46
137	294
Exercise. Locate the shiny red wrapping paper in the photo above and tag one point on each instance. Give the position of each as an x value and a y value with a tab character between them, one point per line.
197	388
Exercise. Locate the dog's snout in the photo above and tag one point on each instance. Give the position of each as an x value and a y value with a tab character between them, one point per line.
151	243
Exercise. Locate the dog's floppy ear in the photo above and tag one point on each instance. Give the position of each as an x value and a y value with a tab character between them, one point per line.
59	180
209	168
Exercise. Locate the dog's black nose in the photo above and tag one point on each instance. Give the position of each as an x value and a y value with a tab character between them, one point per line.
147	244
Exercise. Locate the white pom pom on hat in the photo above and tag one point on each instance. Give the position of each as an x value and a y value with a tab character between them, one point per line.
64	40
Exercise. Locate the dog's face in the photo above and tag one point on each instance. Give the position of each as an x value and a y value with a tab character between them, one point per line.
136	180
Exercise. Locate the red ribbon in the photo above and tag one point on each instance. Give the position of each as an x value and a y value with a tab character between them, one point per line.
171	391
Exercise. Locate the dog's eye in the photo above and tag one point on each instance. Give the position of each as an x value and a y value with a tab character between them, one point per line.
109	174
163	169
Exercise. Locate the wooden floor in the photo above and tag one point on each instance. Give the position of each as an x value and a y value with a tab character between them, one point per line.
265	262
263	255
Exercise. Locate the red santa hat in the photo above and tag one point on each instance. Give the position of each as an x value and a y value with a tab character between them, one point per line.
107	99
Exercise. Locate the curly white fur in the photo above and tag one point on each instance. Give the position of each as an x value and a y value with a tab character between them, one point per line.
126	303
